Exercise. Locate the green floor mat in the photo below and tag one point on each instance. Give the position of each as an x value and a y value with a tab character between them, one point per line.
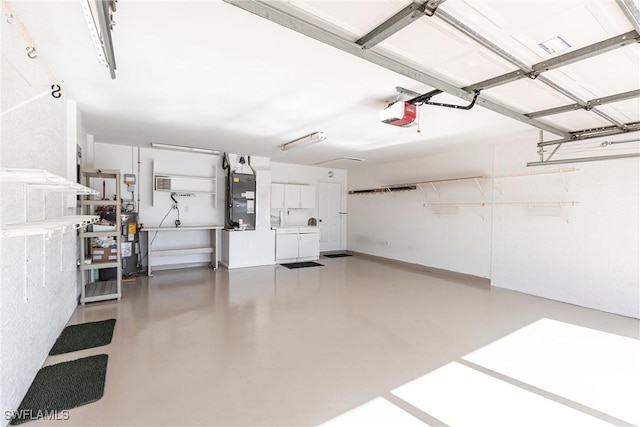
82	336
63	386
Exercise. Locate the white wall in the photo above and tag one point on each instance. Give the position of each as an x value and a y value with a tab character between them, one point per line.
38	289
194	211
592	260
310	175
400	226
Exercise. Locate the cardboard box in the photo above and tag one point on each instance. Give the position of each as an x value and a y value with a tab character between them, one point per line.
104	255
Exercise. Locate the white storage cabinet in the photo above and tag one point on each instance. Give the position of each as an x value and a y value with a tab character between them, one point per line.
295	244
293	196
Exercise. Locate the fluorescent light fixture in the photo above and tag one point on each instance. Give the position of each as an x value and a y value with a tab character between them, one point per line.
99	17
183	148
355	159
554	45
93	30
304	141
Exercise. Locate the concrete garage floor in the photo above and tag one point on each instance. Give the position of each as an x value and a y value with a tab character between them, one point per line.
272	346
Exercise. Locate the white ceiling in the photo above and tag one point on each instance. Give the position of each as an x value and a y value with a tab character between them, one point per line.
208	74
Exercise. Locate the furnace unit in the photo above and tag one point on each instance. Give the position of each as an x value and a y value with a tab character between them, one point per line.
240	195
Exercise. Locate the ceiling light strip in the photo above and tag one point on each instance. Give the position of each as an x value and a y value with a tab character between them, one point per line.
105	27
183	148
312	138
337	159
93	31
270	12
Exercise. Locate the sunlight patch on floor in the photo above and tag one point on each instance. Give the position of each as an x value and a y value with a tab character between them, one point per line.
376	412
462	396
579	369
594	368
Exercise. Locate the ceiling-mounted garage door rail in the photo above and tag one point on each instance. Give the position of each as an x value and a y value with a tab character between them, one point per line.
279	13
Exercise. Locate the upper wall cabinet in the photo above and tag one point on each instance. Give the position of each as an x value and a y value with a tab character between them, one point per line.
293	196
307	196
277	196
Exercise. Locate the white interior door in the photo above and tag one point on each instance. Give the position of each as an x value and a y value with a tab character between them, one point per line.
329	207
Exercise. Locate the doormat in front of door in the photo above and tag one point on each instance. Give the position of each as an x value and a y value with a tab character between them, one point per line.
63	386
302	264
83	336
337	255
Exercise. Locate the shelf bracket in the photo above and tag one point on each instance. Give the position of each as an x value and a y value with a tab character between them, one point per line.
564	181
479	186
433	185
422	190
496	182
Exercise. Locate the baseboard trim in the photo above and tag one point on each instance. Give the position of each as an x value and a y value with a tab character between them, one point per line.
448	274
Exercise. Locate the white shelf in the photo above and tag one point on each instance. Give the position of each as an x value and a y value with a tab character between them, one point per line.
100	173
99	233
476	179
486	204
177	183
433	183
496	179
110	289
192	251
201	178
211	249
38	179
48	226
99	203
98	265
101	291
442	181
544	172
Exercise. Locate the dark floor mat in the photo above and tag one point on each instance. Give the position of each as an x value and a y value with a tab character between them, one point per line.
302	264
337	255
84	335
63	386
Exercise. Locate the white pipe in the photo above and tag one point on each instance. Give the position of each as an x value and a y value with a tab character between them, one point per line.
139	178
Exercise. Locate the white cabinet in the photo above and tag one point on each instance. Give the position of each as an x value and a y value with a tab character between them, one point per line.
286	246
307	196
308	246
293	196
249	248
277	196
297	244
